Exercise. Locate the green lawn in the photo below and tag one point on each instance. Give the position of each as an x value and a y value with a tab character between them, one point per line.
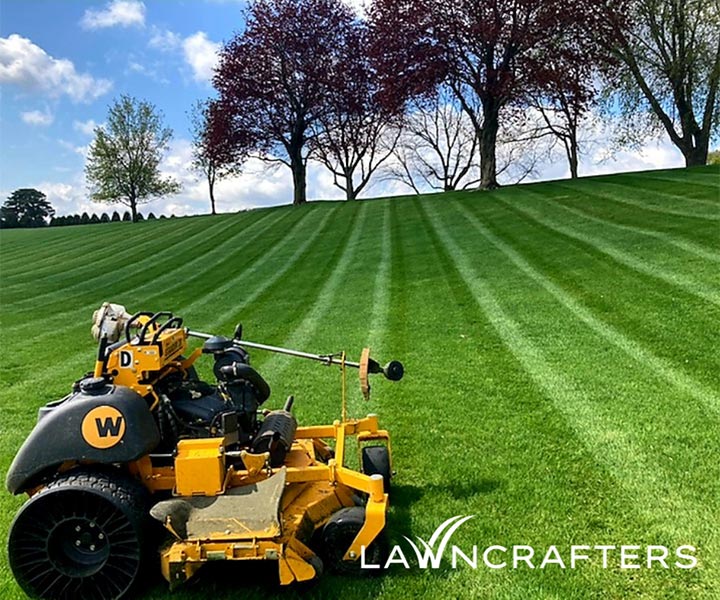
561	344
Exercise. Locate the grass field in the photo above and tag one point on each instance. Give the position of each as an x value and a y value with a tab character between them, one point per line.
561	346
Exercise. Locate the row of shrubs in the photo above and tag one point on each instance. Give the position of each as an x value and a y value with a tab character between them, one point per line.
86	219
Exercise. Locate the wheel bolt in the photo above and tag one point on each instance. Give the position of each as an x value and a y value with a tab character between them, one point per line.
92	547
101	536
92	524
77	527
77	542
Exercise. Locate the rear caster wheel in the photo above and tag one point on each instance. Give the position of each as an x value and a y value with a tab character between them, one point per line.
80	537
337	535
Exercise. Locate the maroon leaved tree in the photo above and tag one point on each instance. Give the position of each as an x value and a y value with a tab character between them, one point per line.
487	51
274	77
218	151
355	135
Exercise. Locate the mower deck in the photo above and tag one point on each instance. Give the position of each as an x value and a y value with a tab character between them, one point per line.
271	514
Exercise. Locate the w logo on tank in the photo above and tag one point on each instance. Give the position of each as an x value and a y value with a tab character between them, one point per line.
108	426
103	427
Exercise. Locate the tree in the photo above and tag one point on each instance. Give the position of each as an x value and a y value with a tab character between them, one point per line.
123	160
115	216
126	216
356	134
671	53
26	207
438	146
214	153
104	218
273	79
487	51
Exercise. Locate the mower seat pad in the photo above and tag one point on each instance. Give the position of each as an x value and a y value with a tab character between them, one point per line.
244	512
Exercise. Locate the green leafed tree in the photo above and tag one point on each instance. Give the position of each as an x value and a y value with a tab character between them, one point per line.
670	50
124	158
26	207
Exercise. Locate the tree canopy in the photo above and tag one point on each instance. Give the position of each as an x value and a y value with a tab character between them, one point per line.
670	50
274	77
26	207
124	158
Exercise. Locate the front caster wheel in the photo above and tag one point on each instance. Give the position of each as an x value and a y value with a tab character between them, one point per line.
337	535
80	537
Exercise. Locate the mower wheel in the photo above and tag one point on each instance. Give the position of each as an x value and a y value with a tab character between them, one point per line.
376	461
337	535
82	536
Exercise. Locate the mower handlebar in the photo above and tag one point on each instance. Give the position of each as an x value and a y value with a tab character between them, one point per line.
393	371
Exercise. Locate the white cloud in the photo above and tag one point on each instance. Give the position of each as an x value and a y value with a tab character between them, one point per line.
85	127
79	150
28	66
118	13
165	40
36	117
201	54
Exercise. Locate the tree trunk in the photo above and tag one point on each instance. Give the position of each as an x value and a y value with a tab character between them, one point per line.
488	143
695	156
573	157
211	189
299	184
133	209
350	191
297	165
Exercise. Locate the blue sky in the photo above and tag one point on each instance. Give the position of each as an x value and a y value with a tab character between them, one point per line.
63	62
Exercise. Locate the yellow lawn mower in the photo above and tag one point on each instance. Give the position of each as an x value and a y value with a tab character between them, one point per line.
143	440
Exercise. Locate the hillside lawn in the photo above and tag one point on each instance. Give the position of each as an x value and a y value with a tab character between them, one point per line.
561	343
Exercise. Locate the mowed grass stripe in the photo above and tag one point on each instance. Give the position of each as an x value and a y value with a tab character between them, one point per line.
611	290
632	396
560	462
171	279
115	255
302	335
688	285
116	281
381	285
705	179
632	467
100	235
73	362
666	238
149	253
267	282
110	249
15	243
642	356
643	205
651	192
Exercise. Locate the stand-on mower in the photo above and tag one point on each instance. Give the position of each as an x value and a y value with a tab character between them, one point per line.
142	438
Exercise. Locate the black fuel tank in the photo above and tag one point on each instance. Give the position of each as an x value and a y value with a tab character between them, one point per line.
100	423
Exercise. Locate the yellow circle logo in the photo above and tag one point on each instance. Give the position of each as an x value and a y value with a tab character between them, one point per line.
103	427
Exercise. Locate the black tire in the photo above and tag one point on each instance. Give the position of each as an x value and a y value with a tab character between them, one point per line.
82	536
337	535
376	461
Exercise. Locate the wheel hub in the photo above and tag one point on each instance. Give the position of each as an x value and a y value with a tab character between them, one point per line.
78	547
